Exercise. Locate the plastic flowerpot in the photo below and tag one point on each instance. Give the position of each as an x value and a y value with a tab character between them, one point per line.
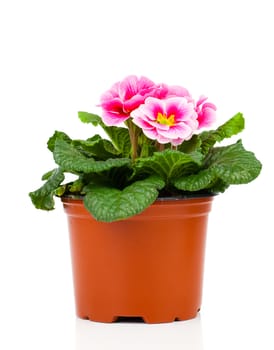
148	266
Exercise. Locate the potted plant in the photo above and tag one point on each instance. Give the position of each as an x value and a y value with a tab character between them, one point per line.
138	207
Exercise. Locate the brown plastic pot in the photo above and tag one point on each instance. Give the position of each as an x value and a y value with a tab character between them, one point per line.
148	266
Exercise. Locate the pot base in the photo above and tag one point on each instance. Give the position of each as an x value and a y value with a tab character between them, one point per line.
150	319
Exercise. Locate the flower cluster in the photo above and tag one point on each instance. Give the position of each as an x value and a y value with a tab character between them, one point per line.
167	114
153	150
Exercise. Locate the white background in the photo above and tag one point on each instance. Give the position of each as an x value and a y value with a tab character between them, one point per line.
57	57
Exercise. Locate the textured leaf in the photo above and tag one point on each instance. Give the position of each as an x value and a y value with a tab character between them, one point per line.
191	145
195	182
57	135
232	127
77	185
206	179
48	174
116	177
233	164
119	136
43	197
169	164
110	204
224	166
96	147
86	117
72	160
218	186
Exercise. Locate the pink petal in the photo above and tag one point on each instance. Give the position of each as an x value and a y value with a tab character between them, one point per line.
142	123
133	103
177	91
176	131
111	93
111	118
206	112
113	104
162	139
133	85
209	105
152	107
150	133
179	107
201	100
207	117
128	87
165	91
176	142
192	123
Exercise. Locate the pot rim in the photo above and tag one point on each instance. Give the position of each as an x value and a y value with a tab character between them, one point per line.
159	199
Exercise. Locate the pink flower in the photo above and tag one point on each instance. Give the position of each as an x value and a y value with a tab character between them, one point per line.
124	97
171	120
206	112
127	95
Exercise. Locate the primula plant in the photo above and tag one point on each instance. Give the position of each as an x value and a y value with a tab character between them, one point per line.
153	148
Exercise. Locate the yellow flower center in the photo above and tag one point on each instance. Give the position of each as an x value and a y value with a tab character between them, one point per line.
166	120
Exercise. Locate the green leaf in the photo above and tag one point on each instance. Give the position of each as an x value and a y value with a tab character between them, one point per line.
218	186
60	190
48	174
169	164
119	136
110	204
115	177
232	127
77	185
86	117
195	182
233	164
72	160
96	147
147	146
224	166
57	135
191	145
43	197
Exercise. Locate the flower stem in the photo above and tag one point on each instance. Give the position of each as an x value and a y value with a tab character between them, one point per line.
133	135
160	147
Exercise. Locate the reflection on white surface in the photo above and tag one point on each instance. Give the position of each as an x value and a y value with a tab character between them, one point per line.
137	335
